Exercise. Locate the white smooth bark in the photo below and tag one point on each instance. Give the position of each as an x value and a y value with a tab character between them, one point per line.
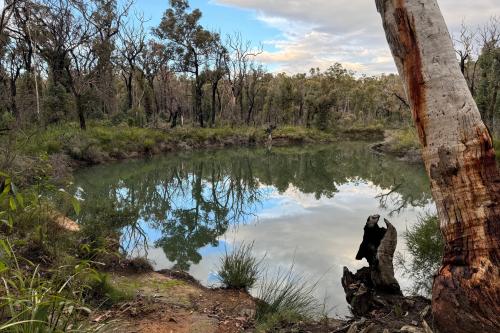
460	161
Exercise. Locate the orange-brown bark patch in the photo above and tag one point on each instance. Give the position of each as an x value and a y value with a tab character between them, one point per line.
412	65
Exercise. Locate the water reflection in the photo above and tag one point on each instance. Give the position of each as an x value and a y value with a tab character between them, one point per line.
303	204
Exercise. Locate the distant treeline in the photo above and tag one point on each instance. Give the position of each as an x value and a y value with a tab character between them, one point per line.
66	60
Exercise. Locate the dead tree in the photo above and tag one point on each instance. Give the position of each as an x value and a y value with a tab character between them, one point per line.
378	247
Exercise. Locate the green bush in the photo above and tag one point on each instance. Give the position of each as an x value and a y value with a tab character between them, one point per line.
239	269
425	245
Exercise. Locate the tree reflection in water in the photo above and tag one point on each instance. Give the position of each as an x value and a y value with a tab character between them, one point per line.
189	200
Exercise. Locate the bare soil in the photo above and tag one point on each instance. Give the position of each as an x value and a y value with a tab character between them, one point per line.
173	302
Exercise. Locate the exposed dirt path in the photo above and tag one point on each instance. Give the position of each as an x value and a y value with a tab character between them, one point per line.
171	305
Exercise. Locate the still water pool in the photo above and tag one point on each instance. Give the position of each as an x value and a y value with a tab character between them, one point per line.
304	206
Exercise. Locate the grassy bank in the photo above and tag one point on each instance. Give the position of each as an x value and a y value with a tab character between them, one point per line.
404	143
102	142
32	155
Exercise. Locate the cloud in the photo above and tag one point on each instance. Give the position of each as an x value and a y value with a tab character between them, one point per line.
318	33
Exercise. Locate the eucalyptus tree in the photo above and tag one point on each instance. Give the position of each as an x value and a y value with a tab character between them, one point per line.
81	78
132	41
487	92
13	63
107	18
155	60
253	89
60	30
189	44
459	157
20	31
216	71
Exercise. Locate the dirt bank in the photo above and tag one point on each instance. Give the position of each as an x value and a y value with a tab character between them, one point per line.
169	301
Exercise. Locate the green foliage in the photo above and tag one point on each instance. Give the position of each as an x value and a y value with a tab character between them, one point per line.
10	201
286	296
101	142
486	95
136	117
57	103
239	269
6	119
31	219
34	302
425	245
101	290
404	139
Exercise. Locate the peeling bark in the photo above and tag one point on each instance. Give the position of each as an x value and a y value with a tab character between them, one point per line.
460	161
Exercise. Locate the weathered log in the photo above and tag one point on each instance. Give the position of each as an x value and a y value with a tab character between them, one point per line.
382	274
378	247
358	290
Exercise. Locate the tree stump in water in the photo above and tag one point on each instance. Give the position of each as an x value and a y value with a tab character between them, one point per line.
368	287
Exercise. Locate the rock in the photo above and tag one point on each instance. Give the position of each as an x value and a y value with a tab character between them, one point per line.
411	329
65	223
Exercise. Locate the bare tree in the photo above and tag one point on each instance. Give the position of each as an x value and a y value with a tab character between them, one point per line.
460	160
6	13
464	45
241	55
489	34
132	38
466	48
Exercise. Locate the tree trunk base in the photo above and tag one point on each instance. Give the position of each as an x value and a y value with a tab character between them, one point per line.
464	301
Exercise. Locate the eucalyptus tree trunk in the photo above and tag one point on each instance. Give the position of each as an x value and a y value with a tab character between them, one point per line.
460	160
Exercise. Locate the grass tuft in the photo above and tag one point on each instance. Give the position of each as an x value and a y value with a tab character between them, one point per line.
239	269
286	297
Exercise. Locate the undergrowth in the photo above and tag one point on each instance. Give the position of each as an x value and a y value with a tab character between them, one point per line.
425	244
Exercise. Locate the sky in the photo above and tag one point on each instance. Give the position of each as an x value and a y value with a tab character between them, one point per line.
299	34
